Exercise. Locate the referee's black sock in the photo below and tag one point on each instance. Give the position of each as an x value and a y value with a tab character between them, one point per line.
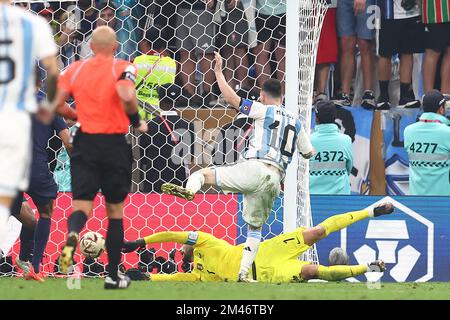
76	221
114	243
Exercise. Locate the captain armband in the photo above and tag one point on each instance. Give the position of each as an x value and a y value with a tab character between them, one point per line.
129	74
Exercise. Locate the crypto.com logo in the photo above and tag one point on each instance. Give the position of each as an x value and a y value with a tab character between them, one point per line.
387	234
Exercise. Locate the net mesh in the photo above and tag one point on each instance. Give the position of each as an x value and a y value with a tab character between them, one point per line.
204	132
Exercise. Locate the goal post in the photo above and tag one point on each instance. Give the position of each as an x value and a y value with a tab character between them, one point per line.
304	20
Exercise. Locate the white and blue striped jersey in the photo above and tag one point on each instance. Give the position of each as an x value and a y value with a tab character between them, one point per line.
24	40
276	134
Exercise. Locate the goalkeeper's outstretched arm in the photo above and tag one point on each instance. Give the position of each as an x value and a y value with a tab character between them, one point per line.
229	94
182	237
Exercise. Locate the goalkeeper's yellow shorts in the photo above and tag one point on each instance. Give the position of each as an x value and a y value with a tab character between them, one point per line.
277	258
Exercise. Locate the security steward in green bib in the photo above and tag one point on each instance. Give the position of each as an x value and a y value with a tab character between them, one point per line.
427	143
155	68
330	168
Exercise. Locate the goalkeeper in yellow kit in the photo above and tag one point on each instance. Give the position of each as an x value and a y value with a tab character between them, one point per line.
277	259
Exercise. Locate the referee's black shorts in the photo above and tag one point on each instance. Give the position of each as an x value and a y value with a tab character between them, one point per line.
397	36
101	163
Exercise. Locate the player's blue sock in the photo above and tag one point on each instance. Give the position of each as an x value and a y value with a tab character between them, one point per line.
40	241
26	243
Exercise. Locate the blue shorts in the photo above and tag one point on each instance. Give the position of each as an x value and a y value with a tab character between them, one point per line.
42	187
39	197
350	25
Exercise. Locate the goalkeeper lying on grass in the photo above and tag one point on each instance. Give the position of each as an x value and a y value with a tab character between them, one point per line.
276	261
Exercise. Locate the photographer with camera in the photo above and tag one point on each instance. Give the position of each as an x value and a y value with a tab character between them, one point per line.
401	33
427	143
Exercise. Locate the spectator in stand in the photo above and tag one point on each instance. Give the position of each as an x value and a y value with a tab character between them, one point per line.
127	15
50	15
271	28
401	33
88	13
327	53
106	16
155	68
436	17
352	25
233	41
195	35
68	40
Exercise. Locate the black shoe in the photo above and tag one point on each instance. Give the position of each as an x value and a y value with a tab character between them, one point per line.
368	100
342	100
320	97
383	103
122	282
382	209
409	101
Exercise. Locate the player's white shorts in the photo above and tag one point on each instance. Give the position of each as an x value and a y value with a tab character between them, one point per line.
259	183
15	152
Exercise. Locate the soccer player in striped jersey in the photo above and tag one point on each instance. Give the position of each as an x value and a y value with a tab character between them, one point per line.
25	40
276	136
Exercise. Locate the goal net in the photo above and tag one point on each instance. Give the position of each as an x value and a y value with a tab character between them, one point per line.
310	18
198	130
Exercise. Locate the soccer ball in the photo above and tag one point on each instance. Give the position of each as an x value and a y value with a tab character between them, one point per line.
338	257
92	244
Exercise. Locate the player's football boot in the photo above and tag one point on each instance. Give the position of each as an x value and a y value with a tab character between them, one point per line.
376	266
31	275
382	209
66	257
122	282
174	190
24	265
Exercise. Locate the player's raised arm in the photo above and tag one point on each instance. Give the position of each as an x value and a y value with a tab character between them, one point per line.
229	94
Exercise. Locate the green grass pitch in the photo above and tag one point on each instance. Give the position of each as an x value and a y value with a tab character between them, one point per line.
18	288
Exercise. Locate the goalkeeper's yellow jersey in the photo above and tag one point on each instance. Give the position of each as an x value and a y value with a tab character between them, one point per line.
217	260
214	259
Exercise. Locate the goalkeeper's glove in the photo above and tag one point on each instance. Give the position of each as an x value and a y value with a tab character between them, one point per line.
130	246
